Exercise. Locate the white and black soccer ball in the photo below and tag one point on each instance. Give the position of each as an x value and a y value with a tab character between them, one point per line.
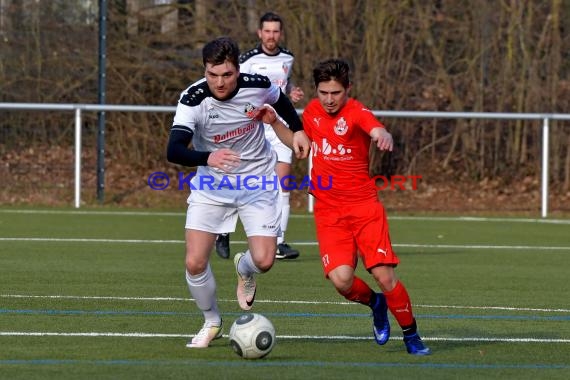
252	336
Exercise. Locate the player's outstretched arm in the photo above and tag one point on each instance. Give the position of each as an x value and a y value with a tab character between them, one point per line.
268	115
287	112
301	144
382	138
297	141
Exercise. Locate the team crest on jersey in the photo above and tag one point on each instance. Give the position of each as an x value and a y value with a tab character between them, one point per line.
285	69
341	127
249	110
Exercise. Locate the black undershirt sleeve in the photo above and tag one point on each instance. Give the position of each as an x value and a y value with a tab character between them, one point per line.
177	150
287	111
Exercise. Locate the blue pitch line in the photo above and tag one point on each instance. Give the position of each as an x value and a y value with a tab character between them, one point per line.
287	315
270	363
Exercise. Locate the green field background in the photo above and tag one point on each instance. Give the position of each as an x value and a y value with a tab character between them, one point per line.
101	295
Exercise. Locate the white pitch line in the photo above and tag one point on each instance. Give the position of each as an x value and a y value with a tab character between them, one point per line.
479	219
290	302
484	246
92	212
503	308
313	337
91	240
299	216
94	334
146	299
301	243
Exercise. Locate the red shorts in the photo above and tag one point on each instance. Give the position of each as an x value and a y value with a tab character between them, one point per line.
344	233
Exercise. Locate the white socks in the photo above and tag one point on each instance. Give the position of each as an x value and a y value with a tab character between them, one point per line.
246	267
203	289
285	211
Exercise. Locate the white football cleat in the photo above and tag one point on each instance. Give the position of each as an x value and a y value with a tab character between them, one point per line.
206	334
245	286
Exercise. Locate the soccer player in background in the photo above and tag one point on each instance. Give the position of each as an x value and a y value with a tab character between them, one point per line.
222	115
350	219
275	62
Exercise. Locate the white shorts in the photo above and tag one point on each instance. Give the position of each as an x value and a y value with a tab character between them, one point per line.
284	154
259	212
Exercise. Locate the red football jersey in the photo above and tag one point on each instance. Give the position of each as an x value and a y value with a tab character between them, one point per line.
339	151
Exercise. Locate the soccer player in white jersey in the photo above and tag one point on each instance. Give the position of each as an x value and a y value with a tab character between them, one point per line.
222	116
275	62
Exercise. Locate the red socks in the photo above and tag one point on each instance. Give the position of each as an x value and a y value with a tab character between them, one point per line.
397	299
400	305
359	292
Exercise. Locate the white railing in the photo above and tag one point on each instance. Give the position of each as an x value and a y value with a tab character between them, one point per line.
79	108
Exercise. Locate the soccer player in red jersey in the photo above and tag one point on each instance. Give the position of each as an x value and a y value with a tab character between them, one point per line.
350	219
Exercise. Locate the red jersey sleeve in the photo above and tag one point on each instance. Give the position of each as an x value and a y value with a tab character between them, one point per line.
366	119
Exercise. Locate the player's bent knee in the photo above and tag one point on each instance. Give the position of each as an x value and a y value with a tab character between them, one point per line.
263	260
195	267
341	284
266	263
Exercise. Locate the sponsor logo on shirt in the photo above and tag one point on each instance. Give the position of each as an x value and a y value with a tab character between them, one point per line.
334	153
235	132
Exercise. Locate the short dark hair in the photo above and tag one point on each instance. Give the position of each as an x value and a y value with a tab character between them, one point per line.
271	17
220	50
332	69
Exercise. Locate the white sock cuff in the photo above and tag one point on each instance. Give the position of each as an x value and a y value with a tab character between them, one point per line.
200	279
246	267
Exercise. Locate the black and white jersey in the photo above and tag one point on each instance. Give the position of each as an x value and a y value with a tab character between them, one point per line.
278	68
228	124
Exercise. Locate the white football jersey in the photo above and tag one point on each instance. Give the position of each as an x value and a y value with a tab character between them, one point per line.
228	124
278	68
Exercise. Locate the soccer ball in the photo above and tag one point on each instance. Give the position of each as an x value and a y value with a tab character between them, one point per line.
252	336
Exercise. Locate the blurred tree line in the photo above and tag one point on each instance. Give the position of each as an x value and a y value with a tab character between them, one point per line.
431	55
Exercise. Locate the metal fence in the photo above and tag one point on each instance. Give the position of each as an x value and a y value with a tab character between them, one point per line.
78	109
